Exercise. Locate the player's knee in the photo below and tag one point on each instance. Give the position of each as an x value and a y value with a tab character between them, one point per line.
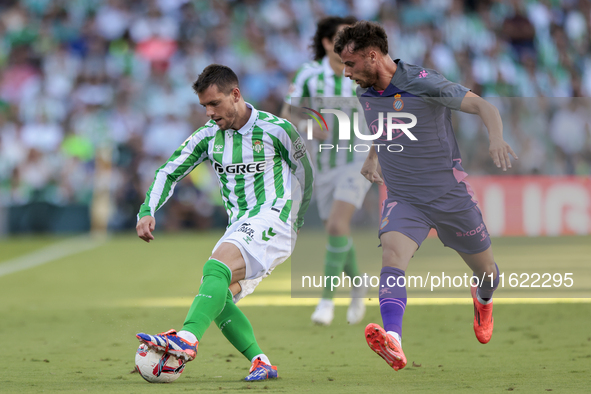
492	268
485	269
337	227
235	288
392	257
218	269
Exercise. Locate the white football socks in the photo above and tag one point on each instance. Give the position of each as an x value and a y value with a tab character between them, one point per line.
263	357
187	336
481	300
397	336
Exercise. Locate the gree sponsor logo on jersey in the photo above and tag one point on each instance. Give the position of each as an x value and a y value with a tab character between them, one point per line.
241	168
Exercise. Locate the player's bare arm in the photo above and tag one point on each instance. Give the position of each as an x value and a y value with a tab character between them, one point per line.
499	150
291	114
370	169
144	228
286	112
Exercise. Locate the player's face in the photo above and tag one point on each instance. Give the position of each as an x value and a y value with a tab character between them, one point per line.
359	67
221	107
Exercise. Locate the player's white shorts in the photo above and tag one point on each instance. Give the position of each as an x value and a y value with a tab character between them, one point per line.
265	241
344	183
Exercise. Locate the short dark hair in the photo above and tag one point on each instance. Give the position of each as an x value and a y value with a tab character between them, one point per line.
327	28
216	74
362	35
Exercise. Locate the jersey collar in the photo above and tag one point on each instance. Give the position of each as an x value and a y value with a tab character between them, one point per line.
251	121
391	89
398	74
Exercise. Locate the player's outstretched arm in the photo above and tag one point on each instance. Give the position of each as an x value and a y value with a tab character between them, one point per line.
286	113
499	150
190	154
370	168
293	114
144	228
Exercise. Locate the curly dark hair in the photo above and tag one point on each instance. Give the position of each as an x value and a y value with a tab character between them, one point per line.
327	28
362	35
216	74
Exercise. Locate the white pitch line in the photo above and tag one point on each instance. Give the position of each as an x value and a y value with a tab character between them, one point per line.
50	253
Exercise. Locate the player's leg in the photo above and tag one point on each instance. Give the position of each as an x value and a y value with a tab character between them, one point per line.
398	249
356	310
403	228
340	192
324	187
265	241
460	226
484	268
351	268
338	226
351	189
225	266
239	332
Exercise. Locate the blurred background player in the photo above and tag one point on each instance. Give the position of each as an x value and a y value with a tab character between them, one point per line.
256	157
425	181
340	188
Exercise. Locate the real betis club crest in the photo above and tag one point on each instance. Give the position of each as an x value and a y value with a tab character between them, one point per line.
257	146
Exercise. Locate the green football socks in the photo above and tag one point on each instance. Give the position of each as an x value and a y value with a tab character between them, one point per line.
210	301
351	268
237	329
336	255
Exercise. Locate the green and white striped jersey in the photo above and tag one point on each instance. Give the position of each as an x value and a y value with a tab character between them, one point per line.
317	79
262	166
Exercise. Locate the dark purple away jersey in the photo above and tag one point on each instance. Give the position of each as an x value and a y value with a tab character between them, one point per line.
429	167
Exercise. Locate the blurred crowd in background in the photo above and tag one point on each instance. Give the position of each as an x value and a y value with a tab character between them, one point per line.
88	76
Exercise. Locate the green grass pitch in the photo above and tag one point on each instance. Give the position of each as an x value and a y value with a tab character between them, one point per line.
69	326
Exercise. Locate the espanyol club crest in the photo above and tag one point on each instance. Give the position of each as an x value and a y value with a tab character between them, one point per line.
398	103
257	146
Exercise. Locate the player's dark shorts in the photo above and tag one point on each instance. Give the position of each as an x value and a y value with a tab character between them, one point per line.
455	216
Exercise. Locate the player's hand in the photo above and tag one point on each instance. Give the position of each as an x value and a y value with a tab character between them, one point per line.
499	150
370	170
144	228
318	133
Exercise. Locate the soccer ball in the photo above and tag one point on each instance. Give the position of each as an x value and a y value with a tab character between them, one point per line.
157	367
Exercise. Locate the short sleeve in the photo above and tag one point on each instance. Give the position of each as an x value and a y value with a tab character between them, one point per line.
435	88
299	85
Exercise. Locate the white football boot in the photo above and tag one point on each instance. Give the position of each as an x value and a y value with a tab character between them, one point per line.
356	310
324	312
